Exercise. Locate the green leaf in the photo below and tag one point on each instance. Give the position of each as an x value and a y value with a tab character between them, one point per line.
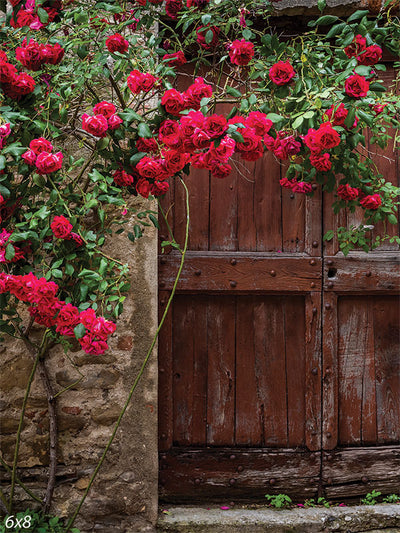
154	220
43	15
144	131
377	87
209	36
366	117
39	180
321	5
335	30
103	143
326	20
363	70
359	14
10	252
135	158
233	92
274	117
247	34
349	120
2	162
79	331
205	19
298	122
392	219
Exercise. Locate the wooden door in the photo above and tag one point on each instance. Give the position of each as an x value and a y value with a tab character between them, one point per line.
279	362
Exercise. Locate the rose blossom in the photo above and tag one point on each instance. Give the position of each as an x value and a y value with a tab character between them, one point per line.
173	101
326	137
116	43
201	36
29	157
321	162
371	55
114	122
96	125
172	8
176	59
371	201
241	52
345	192
143	187
259	122
104	108
356	47
40	145
122	178
61	227
47	163
281	73
356	86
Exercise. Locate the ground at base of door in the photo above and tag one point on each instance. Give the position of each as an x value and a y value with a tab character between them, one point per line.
381	518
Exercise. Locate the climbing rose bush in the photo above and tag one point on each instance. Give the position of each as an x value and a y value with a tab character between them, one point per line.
103	85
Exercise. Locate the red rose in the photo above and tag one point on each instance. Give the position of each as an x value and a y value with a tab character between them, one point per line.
61	227
116	43
321	162
259	122
47	163
29	157
159	187
301	187
215	125
221	171
67	319
114	122
139	81
281	73
250	141
172	8
175	60
201	33
253	155
93	346
190	122
104	108
241	52
143	187
150	169
52	54
196	92
371	201
356	47
30	55
96	125
378	108
40	145
122	178
170	133
7	72
146	145
200	139
371	55
326	137
345	192
290	145
196	3
23	84
225	149
173	101
174	161
356	86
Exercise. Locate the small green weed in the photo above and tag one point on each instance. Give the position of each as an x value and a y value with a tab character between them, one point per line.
314	503
391	498
370	498
279	501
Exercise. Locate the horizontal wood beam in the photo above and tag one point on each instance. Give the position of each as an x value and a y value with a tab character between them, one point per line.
362	273
241	272
213	474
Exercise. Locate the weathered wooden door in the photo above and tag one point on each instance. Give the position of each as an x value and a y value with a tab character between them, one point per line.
279	365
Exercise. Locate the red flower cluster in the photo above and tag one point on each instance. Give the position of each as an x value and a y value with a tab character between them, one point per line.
33	55
356	86
62	229
175	101
5	130
49	311
366	55
39	155
337	115
300	187
370	201
172	8
139	81
116	43
27	15
104	119
324	138
14	84
241	52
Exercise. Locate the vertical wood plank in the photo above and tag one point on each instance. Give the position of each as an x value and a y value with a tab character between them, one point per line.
269	338
313	244
221	371
248	420
313	370
246	230
387	348
267	204
165	365
355	361
190	370
223	213
293	221
295	369
198	183
330	373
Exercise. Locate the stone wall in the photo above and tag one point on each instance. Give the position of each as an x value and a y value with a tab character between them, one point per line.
124	497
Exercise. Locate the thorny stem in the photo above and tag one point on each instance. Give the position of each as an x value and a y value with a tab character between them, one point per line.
141	371
117	90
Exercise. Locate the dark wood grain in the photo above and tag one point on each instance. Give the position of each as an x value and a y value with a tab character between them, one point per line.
237	474
165	376
330	373
250	272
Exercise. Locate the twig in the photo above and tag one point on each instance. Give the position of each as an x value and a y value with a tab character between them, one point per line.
144	364
117	90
